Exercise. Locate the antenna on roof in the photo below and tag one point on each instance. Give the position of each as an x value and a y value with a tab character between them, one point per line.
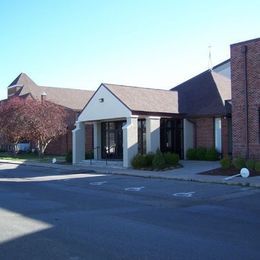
210	60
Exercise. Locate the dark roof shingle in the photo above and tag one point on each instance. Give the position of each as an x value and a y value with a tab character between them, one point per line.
140	99
71	98
204	94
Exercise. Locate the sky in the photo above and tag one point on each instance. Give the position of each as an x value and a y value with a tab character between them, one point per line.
148	43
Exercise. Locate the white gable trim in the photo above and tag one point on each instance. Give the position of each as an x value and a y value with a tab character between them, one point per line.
110	108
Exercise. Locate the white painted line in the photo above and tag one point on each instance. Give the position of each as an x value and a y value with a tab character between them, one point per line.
134	188
184	194
98	183
50	178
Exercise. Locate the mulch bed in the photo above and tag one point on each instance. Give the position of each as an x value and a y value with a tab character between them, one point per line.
227	172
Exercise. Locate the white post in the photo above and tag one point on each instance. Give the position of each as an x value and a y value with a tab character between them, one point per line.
78	143
188	136
97	140
218	136
130	140
152	134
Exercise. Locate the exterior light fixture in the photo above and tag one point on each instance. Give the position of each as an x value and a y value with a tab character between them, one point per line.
101	100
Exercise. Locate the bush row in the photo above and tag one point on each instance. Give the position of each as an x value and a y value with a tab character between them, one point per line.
239	163
156	161
202	154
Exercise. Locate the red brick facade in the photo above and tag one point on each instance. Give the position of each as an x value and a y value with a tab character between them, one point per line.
205	136
224	135
64	143
204	132
245	80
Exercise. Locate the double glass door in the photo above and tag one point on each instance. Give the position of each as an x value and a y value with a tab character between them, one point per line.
112	140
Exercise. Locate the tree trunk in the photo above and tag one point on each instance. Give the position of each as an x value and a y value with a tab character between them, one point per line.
42	147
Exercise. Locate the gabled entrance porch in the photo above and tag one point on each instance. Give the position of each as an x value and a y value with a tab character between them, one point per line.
118	140
127	121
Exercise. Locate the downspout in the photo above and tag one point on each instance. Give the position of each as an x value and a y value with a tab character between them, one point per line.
244	52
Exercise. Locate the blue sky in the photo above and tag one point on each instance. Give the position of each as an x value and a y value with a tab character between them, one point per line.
81	43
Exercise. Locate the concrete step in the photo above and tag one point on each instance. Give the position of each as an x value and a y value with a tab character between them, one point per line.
102	163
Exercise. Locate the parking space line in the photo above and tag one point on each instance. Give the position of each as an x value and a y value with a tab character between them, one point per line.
184	194
134	188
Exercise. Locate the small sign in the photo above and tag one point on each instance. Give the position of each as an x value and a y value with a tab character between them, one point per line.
244	173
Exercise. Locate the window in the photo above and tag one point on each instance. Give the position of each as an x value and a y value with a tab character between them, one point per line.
218	137
141	136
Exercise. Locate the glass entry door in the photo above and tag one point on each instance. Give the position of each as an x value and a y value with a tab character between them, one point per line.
112	140
171	131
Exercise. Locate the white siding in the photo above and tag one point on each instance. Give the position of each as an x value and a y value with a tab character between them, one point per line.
188	132
110	108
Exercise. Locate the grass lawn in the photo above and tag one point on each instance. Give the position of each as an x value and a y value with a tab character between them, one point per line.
31	157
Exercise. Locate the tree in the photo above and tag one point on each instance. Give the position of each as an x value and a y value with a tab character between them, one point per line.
32	120
12	122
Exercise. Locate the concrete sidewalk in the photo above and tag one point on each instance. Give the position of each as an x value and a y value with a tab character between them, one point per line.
189	172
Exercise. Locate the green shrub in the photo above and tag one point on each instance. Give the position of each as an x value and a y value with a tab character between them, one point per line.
250	164
149	159
191	154
68	157
159	161
201	153
257	166
239	163
139	161
226	163
211	154
171	159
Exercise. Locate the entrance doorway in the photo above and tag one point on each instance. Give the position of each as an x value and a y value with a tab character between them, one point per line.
112	140
171	135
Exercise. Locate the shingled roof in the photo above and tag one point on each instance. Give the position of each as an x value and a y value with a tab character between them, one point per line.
139	99
71	98
204	94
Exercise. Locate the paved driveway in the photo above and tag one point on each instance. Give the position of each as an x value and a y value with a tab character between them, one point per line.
52	214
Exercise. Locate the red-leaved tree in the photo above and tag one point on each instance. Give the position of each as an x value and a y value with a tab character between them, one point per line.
13	125
32	120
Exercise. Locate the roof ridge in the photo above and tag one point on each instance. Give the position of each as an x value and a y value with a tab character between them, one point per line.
22	77
223	62
138	87
192	78
66	88
204	72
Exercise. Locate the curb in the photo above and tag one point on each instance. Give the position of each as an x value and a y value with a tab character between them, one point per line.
243	184
43	165
146	175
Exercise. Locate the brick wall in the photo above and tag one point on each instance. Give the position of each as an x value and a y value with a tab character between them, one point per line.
224	135
64	143
204	132
245	56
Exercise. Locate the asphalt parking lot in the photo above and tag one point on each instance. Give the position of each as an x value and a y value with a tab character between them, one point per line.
54	214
